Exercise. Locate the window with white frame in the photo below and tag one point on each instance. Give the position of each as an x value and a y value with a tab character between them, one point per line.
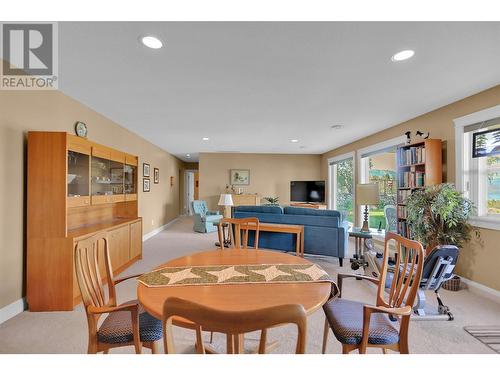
482	175
479	177
341	170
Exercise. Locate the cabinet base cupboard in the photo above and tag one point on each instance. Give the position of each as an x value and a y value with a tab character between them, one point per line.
76	188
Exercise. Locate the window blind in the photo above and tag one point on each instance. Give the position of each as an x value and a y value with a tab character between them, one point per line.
483	125
379	151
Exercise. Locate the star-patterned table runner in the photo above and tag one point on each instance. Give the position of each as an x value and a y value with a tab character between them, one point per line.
235	274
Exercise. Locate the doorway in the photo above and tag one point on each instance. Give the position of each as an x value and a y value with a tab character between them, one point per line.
191	185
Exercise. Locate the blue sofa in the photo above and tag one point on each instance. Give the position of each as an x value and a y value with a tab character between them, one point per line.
325	232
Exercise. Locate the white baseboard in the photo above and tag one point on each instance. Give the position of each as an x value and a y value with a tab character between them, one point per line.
12	310
482	290
154	232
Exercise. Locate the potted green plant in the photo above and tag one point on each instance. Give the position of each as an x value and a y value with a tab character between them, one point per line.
439	215
272	201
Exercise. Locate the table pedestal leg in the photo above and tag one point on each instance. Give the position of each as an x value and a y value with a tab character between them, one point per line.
235	344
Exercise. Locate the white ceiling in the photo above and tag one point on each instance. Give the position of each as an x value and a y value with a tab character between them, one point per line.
251	87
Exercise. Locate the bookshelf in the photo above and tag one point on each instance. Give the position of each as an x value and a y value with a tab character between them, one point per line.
419	165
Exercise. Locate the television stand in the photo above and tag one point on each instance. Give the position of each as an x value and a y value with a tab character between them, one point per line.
318	206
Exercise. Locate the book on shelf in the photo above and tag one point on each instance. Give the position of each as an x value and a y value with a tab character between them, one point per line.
418	165
412	155
402	212
403	196
405	229
411	179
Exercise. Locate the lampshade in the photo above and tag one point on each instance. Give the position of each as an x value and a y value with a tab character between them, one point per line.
367	194
225	200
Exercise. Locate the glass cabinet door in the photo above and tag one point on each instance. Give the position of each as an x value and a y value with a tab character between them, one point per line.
78	179
101	177
117	176
130	182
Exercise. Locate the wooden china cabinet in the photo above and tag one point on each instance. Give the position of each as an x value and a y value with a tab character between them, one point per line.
76	188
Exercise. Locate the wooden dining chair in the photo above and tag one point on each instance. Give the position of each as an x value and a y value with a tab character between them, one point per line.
238	232
232	323
385	324
126	324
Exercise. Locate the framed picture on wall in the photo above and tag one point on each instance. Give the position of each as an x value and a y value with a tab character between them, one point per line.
146	170
146	185
156	175
239	177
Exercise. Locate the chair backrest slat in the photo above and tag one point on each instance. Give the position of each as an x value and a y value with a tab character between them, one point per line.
88	252
238	231
406	275
232	323
94	278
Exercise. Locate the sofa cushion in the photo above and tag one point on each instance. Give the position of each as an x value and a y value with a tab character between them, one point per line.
260	209
306	220
310	211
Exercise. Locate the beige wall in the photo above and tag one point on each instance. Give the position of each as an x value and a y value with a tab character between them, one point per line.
270	174
385	161
54	111
478	263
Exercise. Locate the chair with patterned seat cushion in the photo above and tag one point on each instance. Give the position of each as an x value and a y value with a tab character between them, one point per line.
385	324
117	327
347	317
126	324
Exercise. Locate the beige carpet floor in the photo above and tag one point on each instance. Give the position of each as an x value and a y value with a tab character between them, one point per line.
66	332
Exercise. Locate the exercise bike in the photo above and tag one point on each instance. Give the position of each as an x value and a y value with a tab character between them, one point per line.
438	268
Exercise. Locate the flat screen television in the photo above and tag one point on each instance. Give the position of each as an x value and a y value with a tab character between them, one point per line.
307	191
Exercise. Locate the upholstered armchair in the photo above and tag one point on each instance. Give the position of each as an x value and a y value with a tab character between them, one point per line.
391	219
203	218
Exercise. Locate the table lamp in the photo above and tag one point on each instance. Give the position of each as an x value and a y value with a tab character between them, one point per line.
226	200
367	194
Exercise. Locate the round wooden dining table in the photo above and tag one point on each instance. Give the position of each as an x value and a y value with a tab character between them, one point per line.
235	297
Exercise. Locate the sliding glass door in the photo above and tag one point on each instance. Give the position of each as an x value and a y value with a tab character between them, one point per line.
341	170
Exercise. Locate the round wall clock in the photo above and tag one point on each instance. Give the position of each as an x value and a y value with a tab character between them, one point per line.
81	129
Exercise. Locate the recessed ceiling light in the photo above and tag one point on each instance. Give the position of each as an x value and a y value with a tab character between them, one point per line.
151	42
294	140
206	138
336	127
188	155
403	55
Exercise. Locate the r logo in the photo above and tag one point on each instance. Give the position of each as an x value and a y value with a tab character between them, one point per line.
27	49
